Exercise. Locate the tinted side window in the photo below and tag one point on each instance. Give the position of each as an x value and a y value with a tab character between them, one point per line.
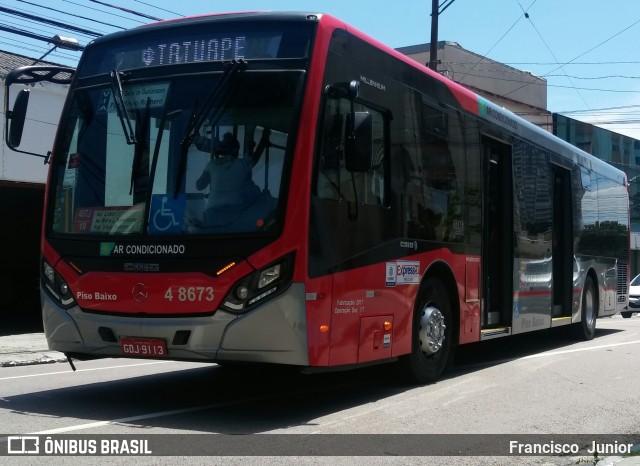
334	180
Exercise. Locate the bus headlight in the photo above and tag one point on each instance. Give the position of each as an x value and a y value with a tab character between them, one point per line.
256	287
269	276
56	286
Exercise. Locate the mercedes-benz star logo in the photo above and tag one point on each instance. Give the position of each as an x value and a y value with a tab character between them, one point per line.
139	292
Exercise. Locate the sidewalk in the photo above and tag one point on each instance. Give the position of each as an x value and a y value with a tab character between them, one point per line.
25	349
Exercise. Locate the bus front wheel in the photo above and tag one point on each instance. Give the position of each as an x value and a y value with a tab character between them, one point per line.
432	334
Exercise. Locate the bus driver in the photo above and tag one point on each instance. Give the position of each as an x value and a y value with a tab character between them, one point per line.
229	177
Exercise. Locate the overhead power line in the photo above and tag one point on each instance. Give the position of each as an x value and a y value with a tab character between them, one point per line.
598	63
39	21
541	83
526	15
51	22
611	76
38	28
500	67
128	18
613	122
484	56
158	8
31	35
623	107
584	53
127	10
71	14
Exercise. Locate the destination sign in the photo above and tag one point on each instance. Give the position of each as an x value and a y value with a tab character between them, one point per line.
191	49
215	49
175	46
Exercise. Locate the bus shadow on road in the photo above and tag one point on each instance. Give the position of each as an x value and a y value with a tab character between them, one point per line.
245	400
493	352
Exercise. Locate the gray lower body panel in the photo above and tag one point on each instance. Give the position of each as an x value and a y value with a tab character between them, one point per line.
275	332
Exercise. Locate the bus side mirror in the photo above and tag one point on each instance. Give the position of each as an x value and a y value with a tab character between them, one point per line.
16	118
358	144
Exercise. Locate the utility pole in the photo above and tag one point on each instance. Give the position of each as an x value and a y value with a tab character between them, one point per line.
433	46
436	11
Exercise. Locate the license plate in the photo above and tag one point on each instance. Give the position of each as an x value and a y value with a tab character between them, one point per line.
144	347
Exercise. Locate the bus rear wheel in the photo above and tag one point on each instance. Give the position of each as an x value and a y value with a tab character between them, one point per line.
586	328
432	329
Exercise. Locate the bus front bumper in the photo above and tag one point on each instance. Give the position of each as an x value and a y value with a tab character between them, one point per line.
272	333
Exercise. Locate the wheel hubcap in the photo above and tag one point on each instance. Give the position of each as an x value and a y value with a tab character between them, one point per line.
431	331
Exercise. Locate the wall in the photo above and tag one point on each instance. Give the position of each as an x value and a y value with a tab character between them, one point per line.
22	179
519	91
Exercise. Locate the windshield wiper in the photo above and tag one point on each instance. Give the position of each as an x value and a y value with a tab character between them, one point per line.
154	160
140	169
121	108
216	100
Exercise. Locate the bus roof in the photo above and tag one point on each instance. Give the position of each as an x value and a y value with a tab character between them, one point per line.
467	99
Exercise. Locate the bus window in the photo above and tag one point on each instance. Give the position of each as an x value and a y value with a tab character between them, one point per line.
260	150
443	203
334	180
112	186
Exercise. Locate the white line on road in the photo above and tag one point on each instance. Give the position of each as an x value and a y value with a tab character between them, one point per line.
70	371
556	353
91	425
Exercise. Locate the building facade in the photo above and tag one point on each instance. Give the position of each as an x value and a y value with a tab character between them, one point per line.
22	181
519	91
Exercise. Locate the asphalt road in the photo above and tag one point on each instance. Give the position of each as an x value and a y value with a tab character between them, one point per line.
534	384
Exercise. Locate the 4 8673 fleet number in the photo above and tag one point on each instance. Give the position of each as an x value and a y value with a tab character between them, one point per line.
189	293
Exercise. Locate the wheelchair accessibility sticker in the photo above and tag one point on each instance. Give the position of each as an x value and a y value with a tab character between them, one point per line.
166	213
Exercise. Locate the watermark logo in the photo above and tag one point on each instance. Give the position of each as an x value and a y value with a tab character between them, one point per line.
56	445
23	445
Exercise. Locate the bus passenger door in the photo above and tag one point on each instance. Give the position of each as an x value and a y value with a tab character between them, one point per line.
562	242
497	262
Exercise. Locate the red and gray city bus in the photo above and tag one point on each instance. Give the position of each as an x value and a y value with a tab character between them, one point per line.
282	188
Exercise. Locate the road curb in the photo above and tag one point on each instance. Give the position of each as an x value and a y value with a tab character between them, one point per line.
27	349
22	359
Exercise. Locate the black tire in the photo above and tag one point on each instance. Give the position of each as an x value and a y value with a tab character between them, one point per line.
432	342
586	328
626	315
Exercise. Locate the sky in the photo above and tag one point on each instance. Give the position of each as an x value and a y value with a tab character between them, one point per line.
587	50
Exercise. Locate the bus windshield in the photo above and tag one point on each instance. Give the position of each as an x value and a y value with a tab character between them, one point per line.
198	155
